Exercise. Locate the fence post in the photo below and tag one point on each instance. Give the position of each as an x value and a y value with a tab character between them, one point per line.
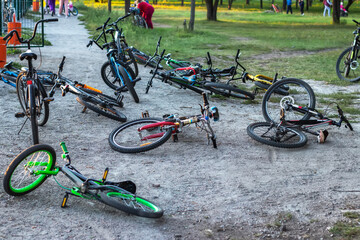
2	52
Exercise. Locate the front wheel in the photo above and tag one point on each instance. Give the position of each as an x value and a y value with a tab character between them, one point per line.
20	176
300	93
129	203
276	136
128	139
228	90
347	65
75	11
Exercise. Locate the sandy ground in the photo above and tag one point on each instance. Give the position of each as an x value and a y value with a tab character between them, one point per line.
242	190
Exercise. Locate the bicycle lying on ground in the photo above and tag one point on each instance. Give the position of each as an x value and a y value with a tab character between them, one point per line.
31	93
290	133
191	78
33	166
347	65
117	72
89	97
148	133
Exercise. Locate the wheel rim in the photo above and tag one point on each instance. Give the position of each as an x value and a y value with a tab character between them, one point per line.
133	201
23	178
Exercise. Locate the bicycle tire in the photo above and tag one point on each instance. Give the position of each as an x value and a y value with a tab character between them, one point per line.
346	72
282	138
43	111
107	111
228	90
129	84
129	203
125	138
109	77
32	112
75	11
24	162
299	93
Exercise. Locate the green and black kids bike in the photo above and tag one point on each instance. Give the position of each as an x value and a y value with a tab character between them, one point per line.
35	164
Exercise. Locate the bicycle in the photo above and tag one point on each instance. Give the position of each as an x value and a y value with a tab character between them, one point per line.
71	9
290	133
116	72
191	78
347	65
137	19
89	97
31	93
148	133
34	165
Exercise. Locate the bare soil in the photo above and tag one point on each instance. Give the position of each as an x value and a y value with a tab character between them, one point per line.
242	190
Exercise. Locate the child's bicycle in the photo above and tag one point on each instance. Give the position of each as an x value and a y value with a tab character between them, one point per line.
148	133
290	133
35	164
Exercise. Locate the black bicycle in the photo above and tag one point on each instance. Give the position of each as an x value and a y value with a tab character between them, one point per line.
31	93
348	65
290	133
34	165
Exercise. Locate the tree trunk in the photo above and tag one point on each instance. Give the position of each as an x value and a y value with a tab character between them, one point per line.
211	6
307	5
127	6
284	5
336	12
261	4
182	2
247	2
192	16
109	5
230	2
221	2
350	2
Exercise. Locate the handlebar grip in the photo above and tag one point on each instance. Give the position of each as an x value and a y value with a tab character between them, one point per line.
63	147
162	54
237	54
158	43
355	21
89	44
98	28
62	64
206	103
107	21
51	20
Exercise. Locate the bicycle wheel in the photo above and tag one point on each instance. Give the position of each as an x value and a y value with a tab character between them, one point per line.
275	136
130	203
32	113
299	93
127	139
101	108
129	84
347	65
42	108
109	76
75	11
228	90
20	177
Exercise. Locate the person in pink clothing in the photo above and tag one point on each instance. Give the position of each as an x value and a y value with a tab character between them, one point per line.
63	3
146	10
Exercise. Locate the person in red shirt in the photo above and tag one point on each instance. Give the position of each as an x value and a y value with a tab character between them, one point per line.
147	11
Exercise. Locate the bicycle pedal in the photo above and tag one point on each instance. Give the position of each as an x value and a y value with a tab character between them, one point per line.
105	174
175	138
19	115
49	99
63	204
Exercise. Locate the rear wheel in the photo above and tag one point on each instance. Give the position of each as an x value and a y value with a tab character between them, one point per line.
20	177
129	203
102	108
277	136
300	93
348	65
75	11
228	90
128	139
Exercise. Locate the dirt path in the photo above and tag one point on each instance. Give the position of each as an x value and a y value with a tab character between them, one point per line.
242	190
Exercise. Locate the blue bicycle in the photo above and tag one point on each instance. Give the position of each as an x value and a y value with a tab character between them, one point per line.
120	71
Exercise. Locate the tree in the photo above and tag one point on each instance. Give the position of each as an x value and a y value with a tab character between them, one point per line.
230	4
127	6
350	2
336	12
109	5
192	16
211	6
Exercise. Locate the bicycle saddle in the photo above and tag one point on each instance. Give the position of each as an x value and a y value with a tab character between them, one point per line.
28	55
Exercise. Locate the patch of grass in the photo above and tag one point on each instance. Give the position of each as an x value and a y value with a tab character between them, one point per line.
346	230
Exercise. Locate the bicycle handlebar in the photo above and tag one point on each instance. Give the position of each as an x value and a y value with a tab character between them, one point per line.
357	23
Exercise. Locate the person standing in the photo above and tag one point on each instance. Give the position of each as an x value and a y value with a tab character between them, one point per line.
146	10
63	3
288	8
301	4
327	5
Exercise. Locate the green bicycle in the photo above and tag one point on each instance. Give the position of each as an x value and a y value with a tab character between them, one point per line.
35	164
